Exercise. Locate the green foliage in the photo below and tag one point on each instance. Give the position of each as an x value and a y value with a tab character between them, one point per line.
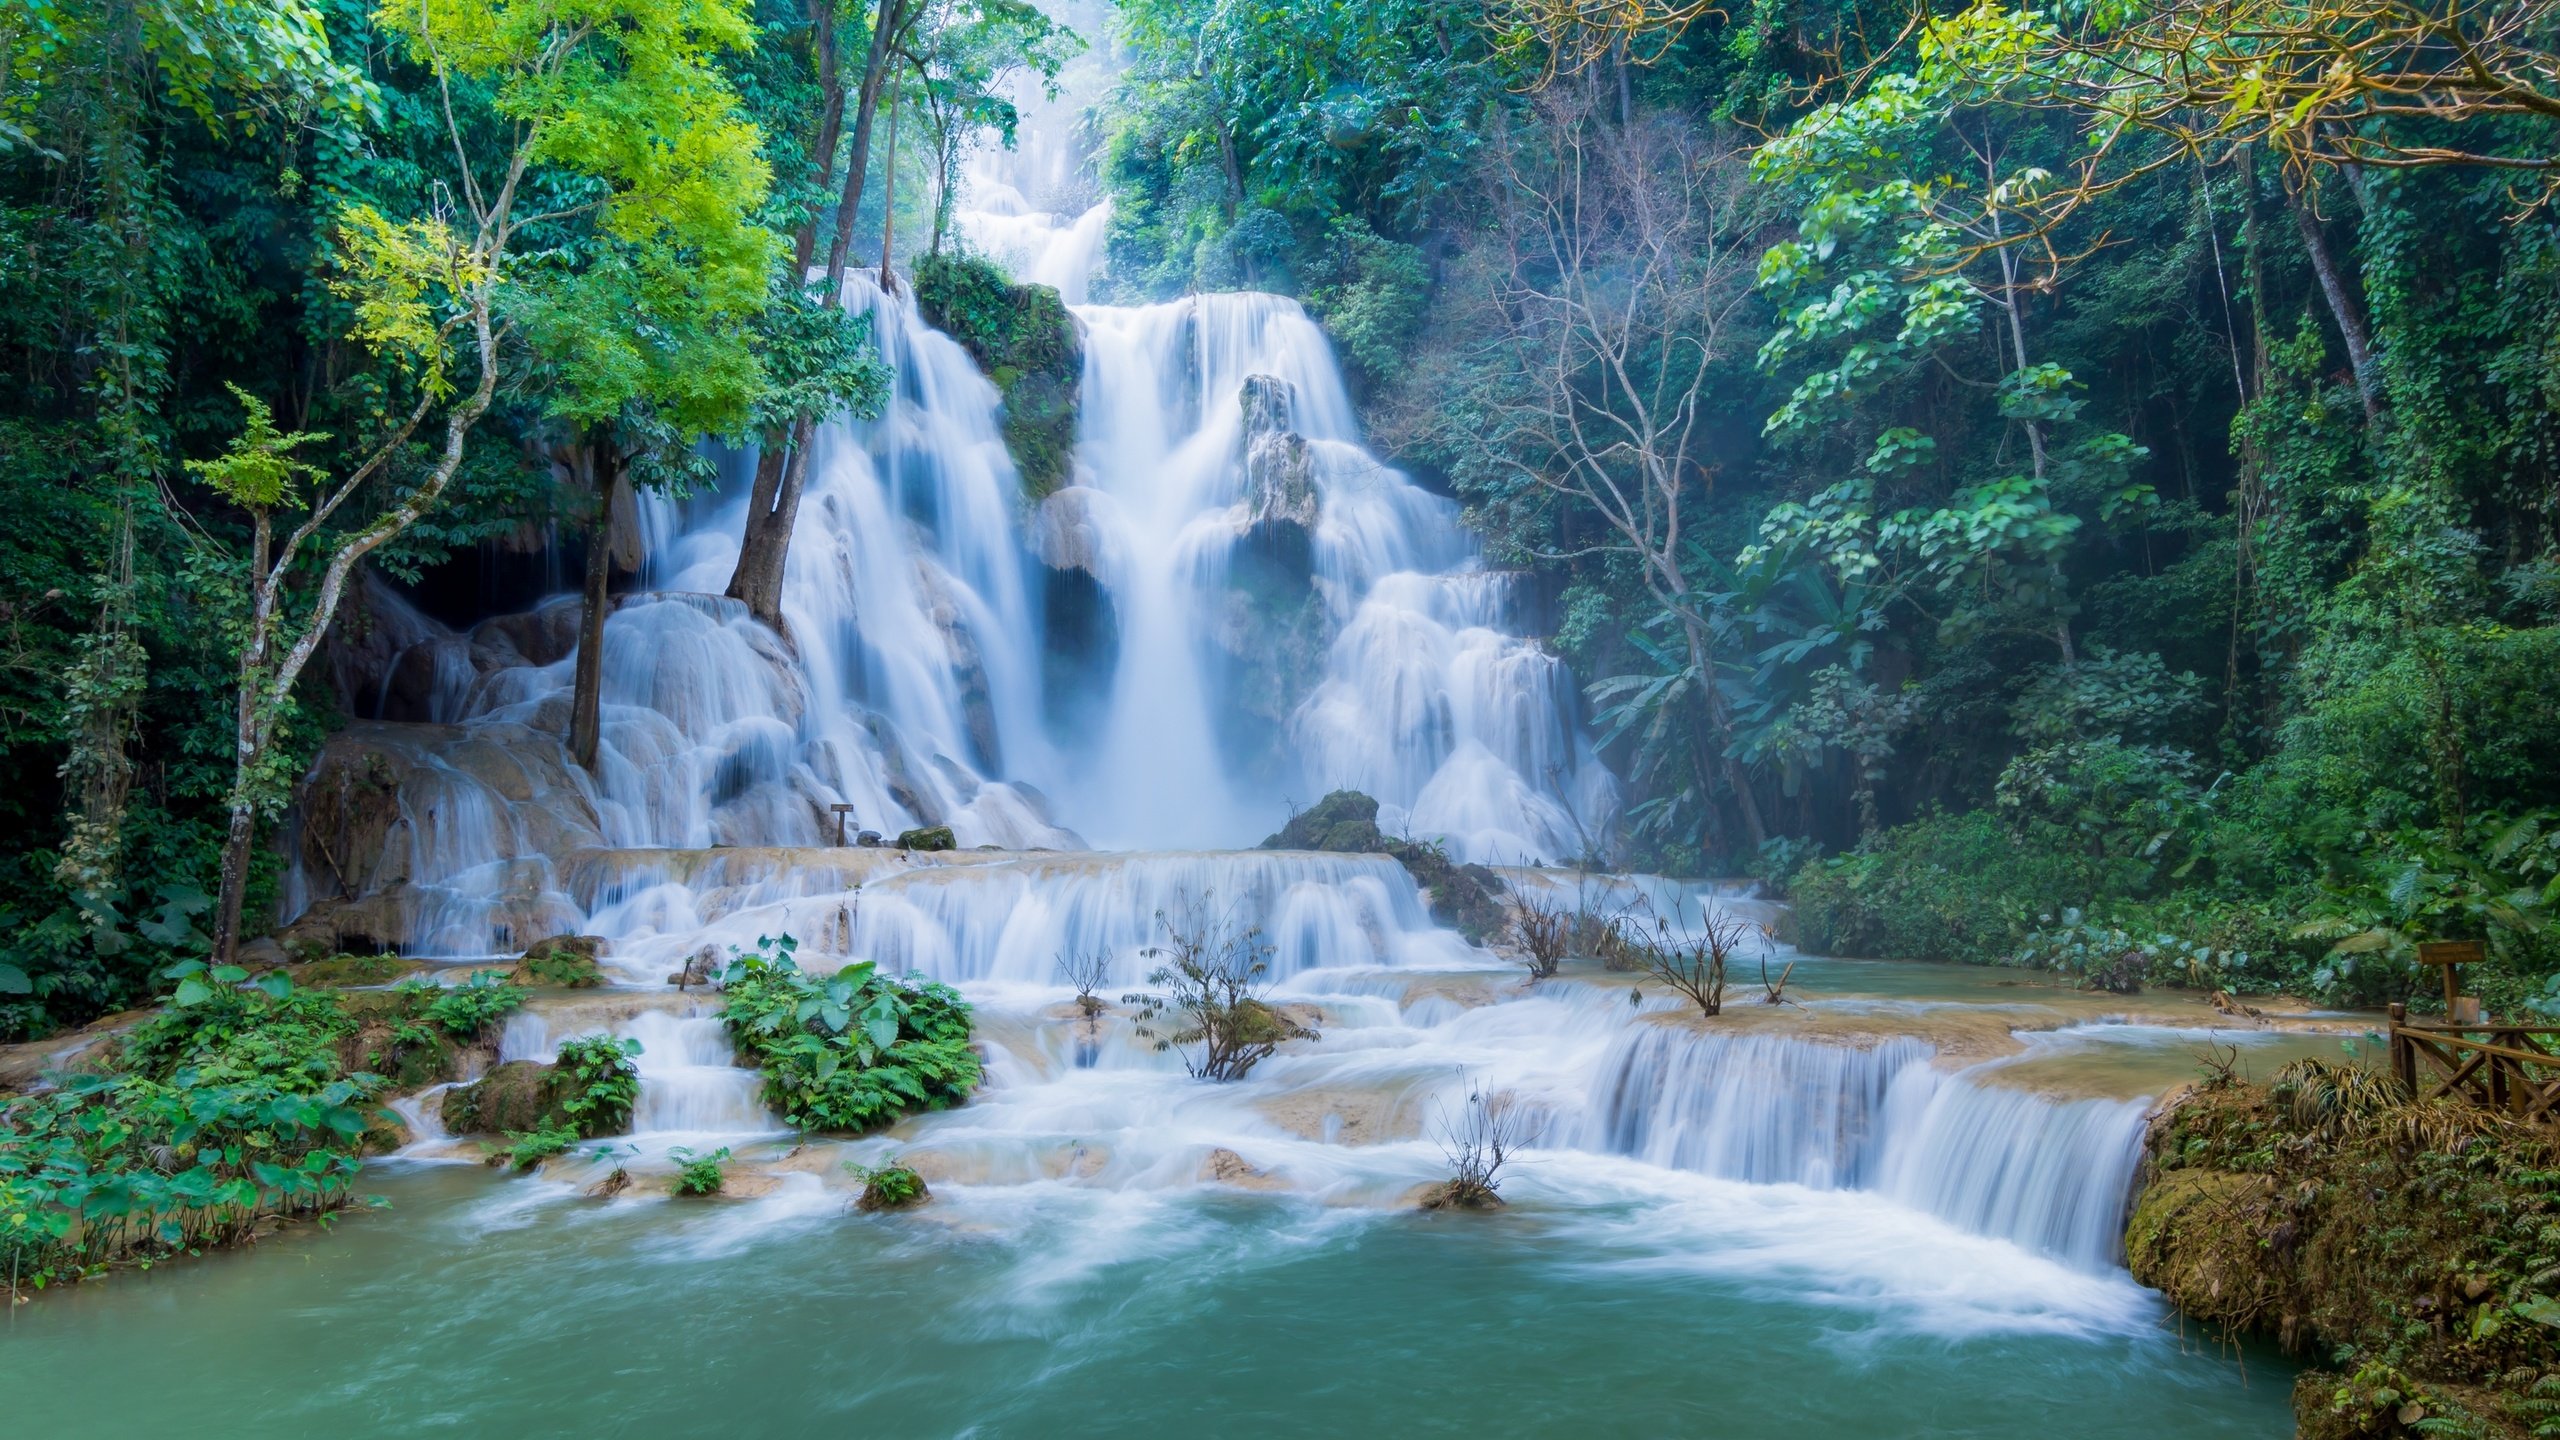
1210	975
468	1010
234	1106
851	1052
224	1032
1370	292
2413	1246
700	1174
527	1148
602	1083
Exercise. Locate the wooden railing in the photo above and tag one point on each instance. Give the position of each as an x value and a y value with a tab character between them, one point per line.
2514	1069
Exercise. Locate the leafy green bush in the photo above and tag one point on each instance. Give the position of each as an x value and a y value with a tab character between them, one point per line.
467	1011
601	1083
852	1052
240	1099
1949	887
700	1174
223	1032
116	1167
2111	957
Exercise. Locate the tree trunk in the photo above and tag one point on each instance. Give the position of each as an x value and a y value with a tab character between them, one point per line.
1702	659
767	551
804	245
2342	306
891	18
235	876
586	697
764	551
889	196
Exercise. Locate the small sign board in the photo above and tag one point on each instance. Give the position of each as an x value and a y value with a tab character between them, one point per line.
2451	955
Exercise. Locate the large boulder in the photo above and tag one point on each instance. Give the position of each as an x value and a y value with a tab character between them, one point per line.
1466	898
518	1096
1279	465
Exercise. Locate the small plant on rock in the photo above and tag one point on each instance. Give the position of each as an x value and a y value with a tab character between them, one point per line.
700	1174
1212	971
888	1185
1086	970
1478	1142
527	1148
468	1010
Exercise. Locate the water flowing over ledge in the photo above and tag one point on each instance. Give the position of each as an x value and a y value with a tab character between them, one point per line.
2054	1176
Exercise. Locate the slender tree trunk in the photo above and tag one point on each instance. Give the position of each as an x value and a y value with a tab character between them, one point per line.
889	196
830	124
891	19
264	693
1626	86
2342	306
236	844
1234	172
601	461
764	551
1702	659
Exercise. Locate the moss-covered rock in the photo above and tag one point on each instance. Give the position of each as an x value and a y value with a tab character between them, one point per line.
1023	337
1466	898
928	837
2411	1246
519	1095
567	961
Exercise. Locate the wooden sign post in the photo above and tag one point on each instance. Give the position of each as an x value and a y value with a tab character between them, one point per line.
2450	956
841	811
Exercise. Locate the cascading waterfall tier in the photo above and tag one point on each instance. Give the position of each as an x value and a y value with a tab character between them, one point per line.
2052	1175
1295	615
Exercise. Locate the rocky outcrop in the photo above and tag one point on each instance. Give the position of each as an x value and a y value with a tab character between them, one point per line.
1279	466
1026	341
1067	531
928	837
1466	898
499	794
519	1096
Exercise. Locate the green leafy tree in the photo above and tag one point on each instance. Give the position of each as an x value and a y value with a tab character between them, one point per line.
614	117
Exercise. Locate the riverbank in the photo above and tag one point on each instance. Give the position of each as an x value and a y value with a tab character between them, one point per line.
2411	1252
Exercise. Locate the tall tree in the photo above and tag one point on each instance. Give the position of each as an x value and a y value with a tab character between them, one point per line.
612	116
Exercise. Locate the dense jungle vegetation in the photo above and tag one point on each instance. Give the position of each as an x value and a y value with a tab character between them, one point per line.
2073	487
300	289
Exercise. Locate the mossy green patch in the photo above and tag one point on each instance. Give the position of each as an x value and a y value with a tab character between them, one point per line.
1025	340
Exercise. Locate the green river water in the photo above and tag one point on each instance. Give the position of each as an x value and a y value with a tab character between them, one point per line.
476	1305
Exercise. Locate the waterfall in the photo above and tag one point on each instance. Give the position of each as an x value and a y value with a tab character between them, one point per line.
1238	515
2051	1175
1289	614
